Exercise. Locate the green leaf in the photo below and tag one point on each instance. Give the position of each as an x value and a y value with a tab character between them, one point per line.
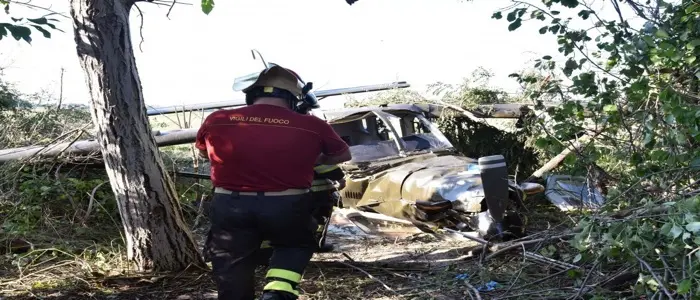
577	258
610	108
497	15
543	30
692	44
20	32
690	59
684	286
569	3
45	32
40	21
660	33
569	67
584	14
511	16
546	57
676	231
693	227
554	28
695	163
207	6
514	25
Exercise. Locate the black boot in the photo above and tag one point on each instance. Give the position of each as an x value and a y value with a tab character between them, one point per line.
277	295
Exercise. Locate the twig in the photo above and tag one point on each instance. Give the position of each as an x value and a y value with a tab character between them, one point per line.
348	257
520	272
476	292
370	276
583	284
532	293
541	280
167	15
60	95
523	243
52	12
140	26
653	274
92	200
667	267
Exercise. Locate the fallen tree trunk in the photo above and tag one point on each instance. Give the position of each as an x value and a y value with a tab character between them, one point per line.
557	160
88	147
573	145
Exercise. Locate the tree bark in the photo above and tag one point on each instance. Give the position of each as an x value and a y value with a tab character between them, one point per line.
157	237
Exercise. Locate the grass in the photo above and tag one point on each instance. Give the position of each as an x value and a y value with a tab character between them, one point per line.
414	267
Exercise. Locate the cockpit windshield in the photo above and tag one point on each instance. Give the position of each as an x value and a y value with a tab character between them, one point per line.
380	134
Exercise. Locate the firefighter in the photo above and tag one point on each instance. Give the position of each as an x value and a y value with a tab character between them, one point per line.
262	157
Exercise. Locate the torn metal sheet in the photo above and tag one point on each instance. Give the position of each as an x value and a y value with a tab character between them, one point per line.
573	193
379	225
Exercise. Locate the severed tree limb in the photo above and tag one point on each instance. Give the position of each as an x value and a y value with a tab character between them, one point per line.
553	163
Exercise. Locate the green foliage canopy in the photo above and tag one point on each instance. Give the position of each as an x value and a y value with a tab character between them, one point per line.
641	87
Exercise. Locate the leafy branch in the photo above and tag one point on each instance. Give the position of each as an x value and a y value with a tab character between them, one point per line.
22	30
644	86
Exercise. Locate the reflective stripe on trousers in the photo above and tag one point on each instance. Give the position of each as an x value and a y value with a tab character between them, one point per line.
282	280
325	168
321	185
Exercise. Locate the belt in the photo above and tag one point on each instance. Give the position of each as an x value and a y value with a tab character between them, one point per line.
288	192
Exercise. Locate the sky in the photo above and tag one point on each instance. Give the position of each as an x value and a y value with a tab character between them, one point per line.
189	57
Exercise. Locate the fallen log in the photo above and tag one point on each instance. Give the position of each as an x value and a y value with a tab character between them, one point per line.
88	147
573	145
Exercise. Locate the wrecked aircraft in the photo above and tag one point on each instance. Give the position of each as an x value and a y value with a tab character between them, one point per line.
404	167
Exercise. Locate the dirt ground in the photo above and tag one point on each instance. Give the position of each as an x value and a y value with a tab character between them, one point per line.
399	262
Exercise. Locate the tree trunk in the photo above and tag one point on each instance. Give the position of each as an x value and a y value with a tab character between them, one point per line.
157	237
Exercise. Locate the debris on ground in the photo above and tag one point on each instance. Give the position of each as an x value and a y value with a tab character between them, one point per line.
573	193
393	261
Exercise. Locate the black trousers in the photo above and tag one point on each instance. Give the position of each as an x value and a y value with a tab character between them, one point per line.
323	209
239	223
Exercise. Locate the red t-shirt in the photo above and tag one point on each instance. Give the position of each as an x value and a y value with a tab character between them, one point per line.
265	147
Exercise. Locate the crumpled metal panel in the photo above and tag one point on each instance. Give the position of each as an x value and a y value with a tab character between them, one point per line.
392	191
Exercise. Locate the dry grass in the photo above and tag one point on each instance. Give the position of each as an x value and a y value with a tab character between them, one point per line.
409	266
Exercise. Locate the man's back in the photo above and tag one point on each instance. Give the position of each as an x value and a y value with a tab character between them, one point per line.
265	147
